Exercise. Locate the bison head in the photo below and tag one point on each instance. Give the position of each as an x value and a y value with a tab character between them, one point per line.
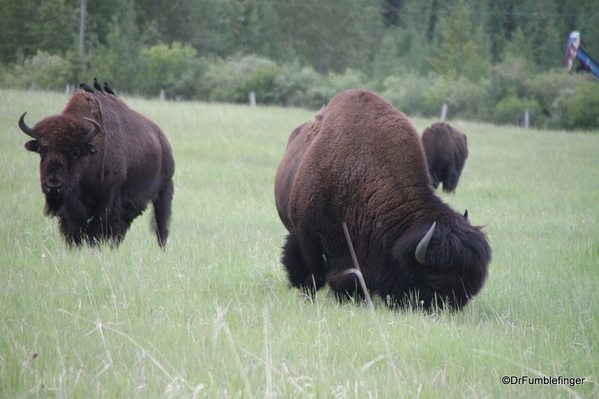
446	262
62	141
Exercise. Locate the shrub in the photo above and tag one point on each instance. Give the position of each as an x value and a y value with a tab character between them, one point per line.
511	111
408	93
170	68
580	109
293	82
464	98
262	82
232	80
546	87
320	94
44	71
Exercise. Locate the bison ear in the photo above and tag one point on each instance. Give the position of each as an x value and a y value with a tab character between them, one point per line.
33	146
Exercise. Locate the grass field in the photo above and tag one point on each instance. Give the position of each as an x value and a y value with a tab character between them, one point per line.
213	316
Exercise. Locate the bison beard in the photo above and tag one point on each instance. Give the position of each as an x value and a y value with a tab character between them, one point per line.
101	164
360	161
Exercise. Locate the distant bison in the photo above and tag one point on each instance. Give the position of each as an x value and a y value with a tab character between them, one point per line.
101	163
446	151
360	161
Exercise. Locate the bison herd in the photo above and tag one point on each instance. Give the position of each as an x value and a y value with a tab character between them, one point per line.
355	190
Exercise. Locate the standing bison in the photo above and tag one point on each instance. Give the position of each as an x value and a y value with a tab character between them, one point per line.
360	161
101	163
446	151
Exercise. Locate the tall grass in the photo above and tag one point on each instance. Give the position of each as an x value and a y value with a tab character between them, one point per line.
212	316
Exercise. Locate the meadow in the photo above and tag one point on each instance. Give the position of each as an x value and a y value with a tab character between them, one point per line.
212	316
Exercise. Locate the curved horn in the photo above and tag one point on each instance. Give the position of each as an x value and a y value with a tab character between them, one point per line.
92	133
423	245
466	214
26	129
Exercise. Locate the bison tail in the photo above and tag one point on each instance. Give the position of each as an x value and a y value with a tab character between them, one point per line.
162	213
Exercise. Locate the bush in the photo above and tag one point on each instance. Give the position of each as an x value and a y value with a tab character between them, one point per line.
293	82
511	111
579	109
232	80
408	93
44	71
464	98
262	82
547	87
320	94
173	69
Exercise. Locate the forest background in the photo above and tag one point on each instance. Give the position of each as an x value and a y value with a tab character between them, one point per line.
487	60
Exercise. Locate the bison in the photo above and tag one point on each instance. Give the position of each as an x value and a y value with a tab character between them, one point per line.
101	163
360	162
446	151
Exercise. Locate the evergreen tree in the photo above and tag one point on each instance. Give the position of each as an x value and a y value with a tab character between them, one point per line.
332	36
117	61
392	11
54	34
459	51
501	25
15	24
543	36
588	27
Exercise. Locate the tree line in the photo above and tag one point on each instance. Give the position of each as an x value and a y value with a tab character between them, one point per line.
487	60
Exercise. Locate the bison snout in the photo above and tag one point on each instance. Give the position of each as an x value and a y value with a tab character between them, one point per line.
53	188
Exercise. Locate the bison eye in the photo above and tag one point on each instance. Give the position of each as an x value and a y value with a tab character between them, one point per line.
87	149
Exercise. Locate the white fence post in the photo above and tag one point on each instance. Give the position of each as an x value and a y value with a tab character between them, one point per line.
252	99
443	112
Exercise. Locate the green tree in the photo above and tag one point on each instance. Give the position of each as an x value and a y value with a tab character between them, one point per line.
500	26
118	61
332	36
166	67
15	30
52	34
588	27
459	52
544	41
386	60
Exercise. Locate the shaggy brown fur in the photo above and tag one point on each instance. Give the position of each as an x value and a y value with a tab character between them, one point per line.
360	161
446	150
96	188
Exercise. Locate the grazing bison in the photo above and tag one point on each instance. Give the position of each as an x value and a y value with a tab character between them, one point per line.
360	161
101	163
446	151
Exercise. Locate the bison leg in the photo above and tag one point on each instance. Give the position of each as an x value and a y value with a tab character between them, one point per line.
111	220
162	212
302	273
345	285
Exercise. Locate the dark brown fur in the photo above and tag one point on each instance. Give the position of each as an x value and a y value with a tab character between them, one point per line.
360	161
104	184
446	150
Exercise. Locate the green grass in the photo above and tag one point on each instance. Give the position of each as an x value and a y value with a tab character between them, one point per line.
213	317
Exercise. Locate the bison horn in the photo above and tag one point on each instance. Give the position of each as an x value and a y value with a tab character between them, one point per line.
466	214
26	129
92	133
423	245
